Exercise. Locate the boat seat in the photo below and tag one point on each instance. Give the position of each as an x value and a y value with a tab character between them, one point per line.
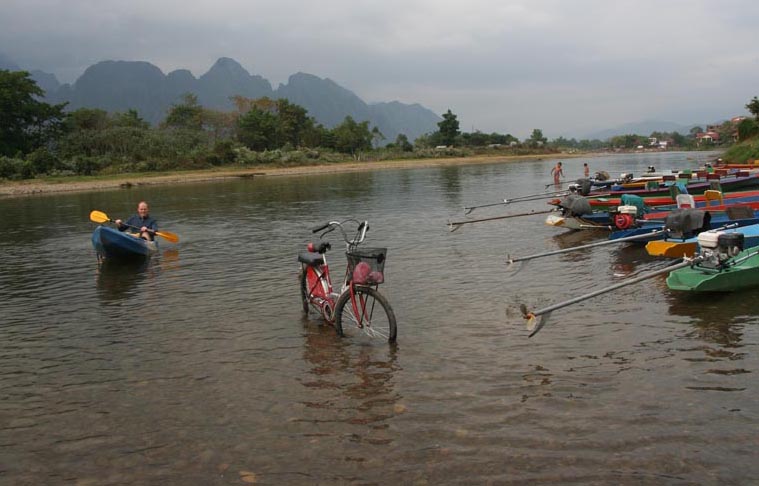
685	201
712	195
741	211
311	258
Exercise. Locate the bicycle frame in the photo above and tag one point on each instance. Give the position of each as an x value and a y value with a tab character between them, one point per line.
319	288
318	281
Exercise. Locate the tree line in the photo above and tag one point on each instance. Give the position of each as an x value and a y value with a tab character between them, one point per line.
37	138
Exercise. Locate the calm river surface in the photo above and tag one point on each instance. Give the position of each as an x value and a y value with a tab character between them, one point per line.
200	369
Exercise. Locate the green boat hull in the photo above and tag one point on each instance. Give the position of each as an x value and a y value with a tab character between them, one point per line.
745	275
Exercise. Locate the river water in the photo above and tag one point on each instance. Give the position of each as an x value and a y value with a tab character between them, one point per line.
199	367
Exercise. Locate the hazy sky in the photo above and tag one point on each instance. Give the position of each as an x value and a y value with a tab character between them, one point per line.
567	67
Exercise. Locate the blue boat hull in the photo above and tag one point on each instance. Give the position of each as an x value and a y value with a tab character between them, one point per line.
716	221
114	245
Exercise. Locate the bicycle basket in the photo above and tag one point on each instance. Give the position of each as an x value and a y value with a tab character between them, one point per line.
366	266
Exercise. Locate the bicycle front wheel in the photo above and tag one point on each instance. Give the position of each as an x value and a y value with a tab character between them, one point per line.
368	314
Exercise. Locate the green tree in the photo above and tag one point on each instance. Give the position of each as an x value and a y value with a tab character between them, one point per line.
753	107
129	118
26	123
257	130
352	137
401	141
536	139
87	119
186	114
448	128
562	142
727	132
679	140
377	137
747	129
293	121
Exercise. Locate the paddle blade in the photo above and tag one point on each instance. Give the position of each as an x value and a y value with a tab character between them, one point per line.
99	217
535	324
532	321
168	235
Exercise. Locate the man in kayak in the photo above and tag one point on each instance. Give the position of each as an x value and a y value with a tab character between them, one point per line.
141	221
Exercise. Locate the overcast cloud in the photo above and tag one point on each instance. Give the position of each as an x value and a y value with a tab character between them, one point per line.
569	68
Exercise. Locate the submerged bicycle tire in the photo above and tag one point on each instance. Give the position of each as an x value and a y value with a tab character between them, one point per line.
375	318
303	290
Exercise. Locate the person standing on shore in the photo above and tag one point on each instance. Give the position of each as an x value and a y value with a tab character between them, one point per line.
586	170
557	172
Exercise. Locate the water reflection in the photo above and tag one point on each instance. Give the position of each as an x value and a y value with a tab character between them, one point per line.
716	317
350	383
450	182
628	257
119	279
570	239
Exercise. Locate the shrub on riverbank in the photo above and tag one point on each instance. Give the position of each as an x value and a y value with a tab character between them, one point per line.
743	152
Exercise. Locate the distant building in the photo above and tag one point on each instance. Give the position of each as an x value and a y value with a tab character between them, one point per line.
708	137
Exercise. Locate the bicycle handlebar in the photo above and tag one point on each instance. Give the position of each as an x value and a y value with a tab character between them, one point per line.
363	227
316	229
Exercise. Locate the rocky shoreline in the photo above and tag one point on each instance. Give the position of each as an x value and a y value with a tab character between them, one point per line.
34	186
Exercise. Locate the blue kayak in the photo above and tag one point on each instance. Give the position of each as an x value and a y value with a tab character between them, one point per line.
113	244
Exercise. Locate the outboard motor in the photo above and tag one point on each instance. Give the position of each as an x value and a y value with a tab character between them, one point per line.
651	169
719	246
624	217
626	177
583	186
602	175
574	205
686	223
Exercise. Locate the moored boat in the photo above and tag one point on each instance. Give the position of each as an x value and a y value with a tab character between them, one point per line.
722	266
687	247
701	200
727	183
112	244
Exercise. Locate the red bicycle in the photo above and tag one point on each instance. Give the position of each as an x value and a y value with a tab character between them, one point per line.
358	309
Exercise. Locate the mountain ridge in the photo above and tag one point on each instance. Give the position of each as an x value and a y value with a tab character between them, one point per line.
122	85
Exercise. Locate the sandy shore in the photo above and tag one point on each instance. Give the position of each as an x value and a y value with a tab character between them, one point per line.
34	186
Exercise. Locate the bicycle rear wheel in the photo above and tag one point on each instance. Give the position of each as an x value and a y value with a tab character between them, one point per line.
367	315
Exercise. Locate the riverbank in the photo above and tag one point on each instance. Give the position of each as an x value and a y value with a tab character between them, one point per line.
125	181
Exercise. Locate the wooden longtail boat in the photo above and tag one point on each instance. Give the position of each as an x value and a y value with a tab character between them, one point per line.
739	180
693	221
703	199
721	266
679	248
